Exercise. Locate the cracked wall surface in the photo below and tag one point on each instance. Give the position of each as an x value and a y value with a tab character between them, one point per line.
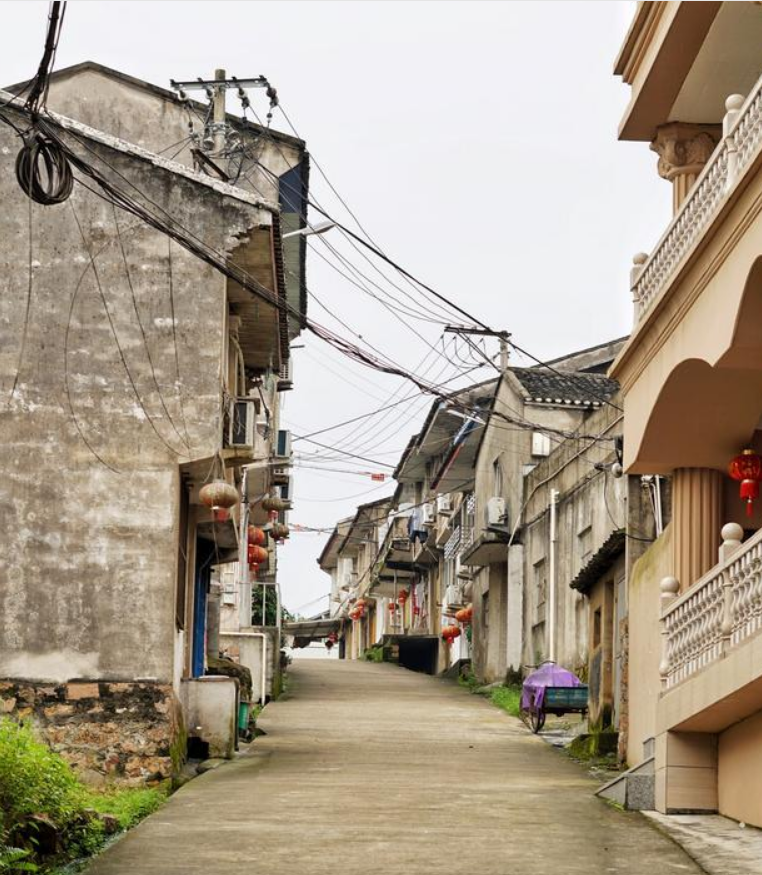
94	432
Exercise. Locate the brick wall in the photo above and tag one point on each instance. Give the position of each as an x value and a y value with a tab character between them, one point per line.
128	732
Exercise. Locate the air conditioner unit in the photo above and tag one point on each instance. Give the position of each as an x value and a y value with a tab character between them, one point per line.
283	444
401	545
443	503
428	515
540	444
242	421
286	376
280	476
496	512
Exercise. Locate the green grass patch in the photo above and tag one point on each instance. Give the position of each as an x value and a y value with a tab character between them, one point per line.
507	698
129	805
47	815
374	654
469	680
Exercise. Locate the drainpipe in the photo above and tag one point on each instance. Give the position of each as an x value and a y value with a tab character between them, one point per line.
552	578
659	515
244	584
279	611
263	636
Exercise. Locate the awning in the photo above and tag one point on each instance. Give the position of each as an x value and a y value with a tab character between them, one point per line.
600	562
312	630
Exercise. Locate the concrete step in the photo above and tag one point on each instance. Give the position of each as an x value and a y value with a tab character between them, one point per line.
633	789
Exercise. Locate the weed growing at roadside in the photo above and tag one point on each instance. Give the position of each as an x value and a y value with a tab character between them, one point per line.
507	698
374	654
47	815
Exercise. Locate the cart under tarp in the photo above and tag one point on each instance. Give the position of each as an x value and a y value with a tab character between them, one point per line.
547	675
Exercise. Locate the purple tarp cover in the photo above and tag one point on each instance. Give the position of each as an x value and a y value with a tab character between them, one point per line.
547	675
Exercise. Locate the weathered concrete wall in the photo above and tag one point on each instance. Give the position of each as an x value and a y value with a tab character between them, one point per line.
247	650
87	576
511	449
109	731
604	647
645	644
211	705
589	507
158	122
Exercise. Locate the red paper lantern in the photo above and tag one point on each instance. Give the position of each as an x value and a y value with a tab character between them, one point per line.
450	633
747	469
257	536
256	554
392	607
218	495
402	597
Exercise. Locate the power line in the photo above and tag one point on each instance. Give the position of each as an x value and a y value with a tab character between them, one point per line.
380	254
147	348
114	334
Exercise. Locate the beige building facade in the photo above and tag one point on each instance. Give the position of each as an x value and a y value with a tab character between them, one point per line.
691	379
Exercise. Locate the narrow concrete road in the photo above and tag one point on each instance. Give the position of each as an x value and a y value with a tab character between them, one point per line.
369	768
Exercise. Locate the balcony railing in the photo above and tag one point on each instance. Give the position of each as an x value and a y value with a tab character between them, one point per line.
720	611
742	129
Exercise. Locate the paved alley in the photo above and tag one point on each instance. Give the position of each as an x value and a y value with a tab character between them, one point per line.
370	768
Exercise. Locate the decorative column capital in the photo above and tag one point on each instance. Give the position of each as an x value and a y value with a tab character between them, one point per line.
684	148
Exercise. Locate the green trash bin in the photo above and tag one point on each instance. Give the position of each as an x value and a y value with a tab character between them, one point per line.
243	716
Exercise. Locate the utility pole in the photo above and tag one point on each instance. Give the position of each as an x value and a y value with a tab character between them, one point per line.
219	128
217	131
503	336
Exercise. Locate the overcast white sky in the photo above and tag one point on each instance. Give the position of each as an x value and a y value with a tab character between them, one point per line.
476	141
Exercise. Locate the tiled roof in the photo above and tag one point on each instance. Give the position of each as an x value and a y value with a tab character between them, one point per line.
600	562
550	387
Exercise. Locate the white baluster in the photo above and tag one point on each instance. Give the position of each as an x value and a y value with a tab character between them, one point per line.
669	588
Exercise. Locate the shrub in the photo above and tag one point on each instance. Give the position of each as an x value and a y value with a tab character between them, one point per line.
13	860
374	654
34	780
38	789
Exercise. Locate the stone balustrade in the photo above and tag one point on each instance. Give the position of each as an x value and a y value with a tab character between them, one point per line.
740	143
721	610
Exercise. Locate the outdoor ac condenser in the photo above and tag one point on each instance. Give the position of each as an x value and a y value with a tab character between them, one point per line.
496	514
427	515
443	503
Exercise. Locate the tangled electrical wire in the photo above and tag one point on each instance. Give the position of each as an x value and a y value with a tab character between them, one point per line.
42	169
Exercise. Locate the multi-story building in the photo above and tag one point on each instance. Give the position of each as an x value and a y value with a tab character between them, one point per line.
691	382
455	536
532	410
135	374
356	551
573	540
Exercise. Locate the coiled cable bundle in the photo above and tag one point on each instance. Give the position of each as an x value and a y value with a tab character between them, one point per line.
43	170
